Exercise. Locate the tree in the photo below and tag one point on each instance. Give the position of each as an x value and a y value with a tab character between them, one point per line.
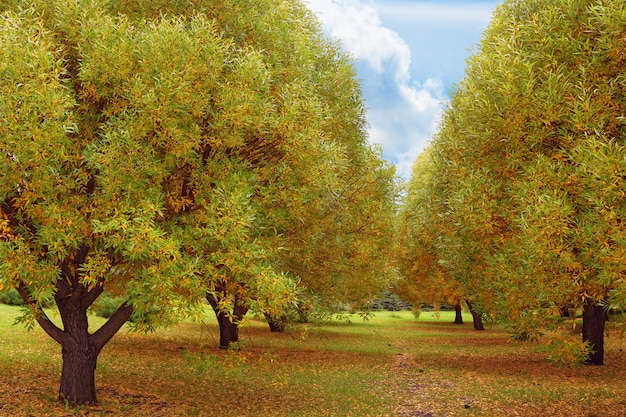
141	171
531	152
318	192
343	251
80	188
324	196
425	281
426	278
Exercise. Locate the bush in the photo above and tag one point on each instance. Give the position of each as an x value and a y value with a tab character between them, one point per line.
388	301
11	297
106	306
563	352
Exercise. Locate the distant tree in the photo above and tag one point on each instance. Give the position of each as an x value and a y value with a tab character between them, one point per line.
316	199
426	278
528	167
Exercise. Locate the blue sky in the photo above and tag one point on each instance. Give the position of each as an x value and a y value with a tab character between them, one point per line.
408	54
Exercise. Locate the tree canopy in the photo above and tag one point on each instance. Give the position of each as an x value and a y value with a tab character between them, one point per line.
528	167
167	151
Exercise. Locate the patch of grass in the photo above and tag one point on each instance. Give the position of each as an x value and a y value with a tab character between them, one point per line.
390	365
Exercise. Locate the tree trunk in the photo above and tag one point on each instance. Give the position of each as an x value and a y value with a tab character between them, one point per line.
476	316
458	318
594	317
78	375
229	331
79	348
277	324
229	323
80	351
567	311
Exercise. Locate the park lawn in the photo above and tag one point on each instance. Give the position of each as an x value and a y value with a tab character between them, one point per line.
391	365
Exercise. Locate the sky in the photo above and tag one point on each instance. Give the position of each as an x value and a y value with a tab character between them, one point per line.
408	54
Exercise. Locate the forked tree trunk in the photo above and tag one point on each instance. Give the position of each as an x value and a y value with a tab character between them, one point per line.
79	348
80	351
594	317
79	354
458	317
476	316
277	324
228	323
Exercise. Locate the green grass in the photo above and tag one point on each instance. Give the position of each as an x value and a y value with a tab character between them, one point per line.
390	365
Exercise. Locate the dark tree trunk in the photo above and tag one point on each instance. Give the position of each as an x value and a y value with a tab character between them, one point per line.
565	311
476	316
229	323
229	331
79	348
78	374
458	317
277	324
594	317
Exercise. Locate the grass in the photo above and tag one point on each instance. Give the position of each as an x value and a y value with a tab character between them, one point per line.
391	365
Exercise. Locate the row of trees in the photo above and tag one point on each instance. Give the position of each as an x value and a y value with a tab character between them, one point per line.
169	152
519	205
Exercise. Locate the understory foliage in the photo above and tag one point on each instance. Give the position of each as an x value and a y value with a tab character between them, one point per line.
163	152
520	202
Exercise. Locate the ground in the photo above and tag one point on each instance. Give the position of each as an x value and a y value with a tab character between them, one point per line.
392	365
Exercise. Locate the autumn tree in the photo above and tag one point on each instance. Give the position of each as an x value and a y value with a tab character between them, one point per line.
81	182
161	153
426	278
530	164
332	201
322	198
151	151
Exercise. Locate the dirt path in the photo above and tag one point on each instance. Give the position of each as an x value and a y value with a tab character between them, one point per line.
419	392
411	388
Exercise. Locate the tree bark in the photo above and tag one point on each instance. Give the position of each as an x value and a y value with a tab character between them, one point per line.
277	324
228	323
79	348
78	385
458	318
594	317
476	316
80	351
229	331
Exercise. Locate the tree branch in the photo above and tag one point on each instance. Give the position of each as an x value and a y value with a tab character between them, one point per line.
50	328
108	329
93	294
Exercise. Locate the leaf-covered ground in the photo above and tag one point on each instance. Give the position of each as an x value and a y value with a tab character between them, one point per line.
392	365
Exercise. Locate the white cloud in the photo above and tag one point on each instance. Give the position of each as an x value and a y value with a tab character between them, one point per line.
361	32
405	130
402	112
405	72
422	98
